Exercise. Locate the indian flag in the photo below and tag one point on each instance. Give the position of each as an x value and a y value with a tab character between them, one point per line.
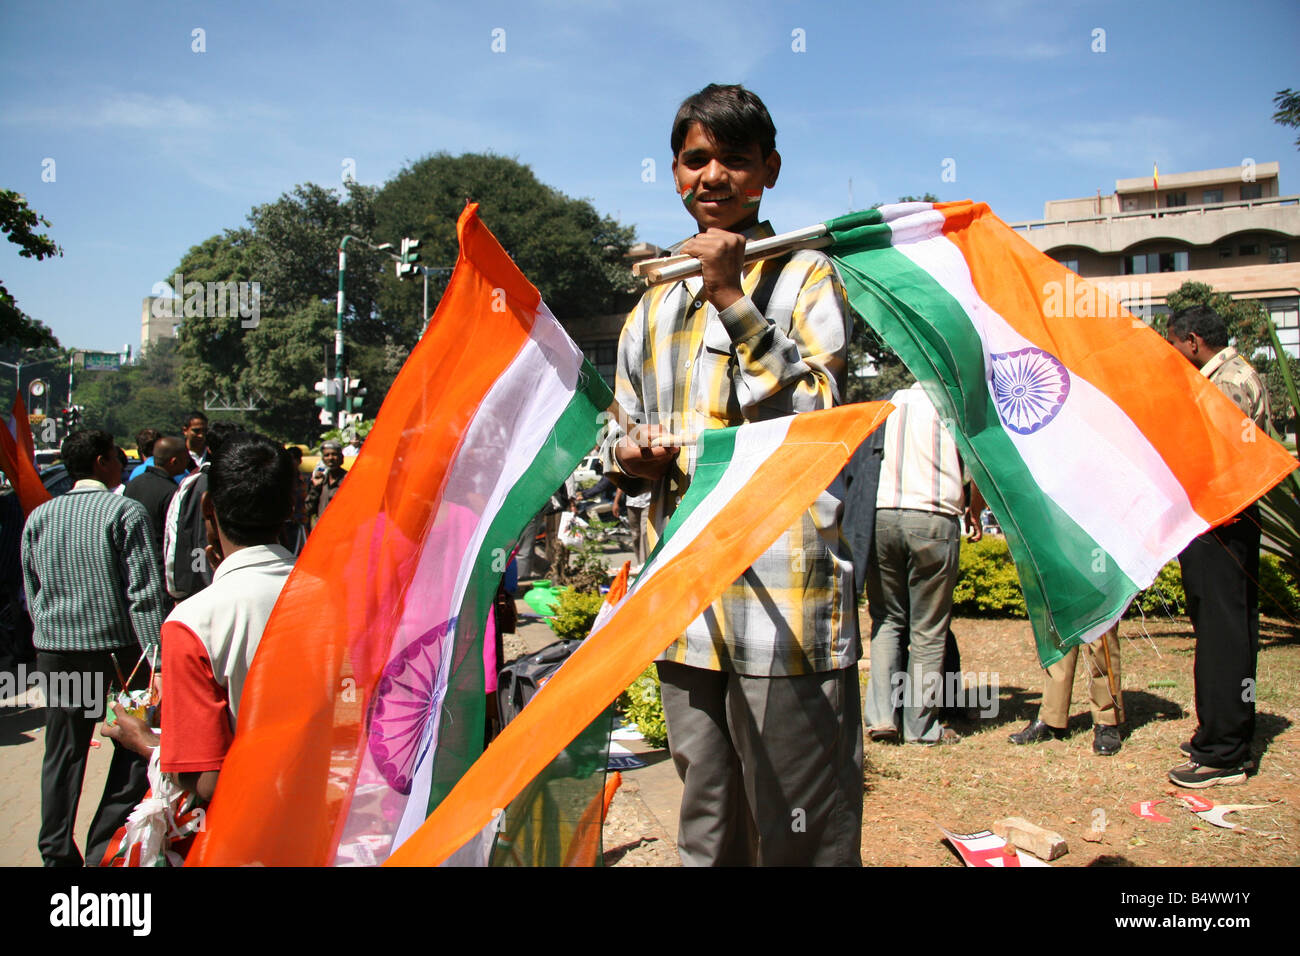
750	484
365	702
1102	451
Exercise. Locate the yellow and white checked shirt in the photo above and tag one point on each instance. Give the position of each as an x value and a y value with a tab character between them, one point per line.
687	367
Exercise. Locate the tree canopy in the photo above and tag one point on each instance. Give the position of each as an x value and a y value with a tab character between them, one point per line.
290	248
19	222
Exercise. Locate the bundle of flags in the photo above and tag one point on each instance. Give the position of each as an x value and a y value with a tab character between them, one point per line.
364	707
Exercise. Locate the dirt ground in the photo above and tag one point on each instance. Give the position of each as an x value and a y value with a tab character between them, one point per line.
911	790
1064	786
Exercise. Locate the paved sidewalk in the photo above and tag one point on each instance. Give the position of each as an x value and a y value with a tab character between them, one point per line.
22	748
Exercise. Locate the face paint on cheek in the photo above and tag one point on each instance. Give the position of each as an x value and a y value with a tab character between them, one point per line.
752	198
688	196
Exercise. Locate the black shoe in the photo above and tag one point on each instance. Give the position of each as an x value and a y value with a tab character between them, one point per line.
1195	776
1037	732
1248	764
1186	748
1106	740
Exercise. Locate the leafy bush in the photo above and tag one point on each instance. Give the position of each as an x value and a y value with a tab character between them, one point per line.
575	614
1278	594
1164	597
987	582
642	705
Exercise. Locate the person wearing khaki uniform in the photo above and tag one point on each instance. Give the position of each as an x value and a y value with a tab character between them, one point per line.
1101	663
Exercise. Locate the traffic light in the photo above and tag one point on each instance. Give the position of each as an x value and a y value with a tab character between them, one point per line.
407	259
69	418
354	396
327	400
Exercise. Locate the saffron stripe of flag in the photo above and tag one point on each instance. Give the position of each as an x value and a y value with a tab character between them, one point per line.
1102	451
365	702
750	484
18	459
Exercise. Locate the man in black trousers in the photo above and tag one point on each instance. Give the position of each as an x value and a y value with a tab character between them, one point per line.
1221	579
97	600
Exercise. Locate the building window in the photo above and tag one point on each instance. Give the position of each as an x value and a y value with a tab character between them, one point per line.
1073	264
1277	253
1248	249
1225	252
1175	199
1130	205
1212	195
1252	190
1143	263
604	356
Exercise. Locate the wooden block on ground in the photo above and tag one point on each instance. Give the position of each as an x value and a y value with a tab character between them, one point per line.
1019	832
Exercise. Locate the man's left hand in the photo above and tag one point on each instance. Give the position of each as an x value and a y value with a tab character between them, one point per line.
722	257
131	732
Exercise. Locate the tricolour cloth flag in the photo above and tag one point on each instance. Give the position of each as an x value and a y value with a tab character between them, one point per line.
18	458
1101	450
750	484
365	702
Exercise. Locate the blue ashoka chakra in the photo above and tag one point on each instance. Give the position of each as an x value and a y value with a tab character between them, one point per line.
1029	388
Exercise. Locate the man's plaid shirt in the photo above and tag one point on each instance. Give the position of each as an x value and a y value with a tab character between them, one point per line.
779	350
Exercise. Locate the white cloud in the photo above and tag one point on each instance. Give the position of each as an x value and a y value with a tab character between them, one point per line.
118	111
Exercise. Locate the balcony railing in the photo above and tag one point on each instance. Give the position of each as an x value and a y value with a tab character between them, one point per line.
1160	213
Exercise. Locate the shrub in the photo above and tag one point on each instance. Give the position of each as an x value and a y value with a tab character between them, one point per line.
1278	594
642	705
575	614
987	583
1164	597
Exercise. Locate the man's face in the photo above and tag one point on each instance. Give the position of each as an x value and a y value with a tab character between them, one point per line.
333	457
722	185
1189	347
108	468
196	433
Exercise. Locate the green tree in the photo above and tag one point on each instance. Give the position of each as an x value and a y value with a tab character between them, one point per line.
145	395
564	246
1288	110
19	222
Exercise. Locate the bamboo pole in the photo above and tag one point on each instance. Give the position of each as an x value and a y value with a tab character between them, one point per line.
675	268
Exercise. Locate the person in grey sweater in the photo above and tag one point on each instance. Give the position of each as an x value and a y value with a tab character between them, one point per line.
95	592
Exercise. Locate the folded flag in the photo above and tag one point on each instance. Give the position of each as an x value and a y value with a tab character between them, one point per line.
18	458
1101	450
750	484
365	702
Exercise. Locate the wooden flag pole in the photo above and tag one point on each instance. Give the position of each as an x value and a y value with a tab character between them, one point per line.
673	268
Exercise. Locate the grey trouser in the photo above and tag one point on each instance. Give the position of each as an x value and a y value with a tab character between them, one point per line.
772	766
910	581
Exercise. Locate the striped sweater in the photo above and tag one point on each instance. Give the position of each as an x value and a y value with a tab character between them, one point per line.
92	577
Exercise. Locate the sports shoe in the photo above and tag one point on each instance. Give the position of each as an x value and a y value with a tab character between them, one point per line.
1248	765
1106	740
1195	776
1037	732
883	735
1186	747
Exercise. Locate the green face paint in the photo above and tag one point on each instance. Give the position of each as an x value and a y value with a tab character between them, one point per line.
688	197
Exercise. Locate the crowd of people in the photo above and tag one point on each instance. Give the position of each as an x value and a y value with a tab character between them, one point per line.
194	543
761	693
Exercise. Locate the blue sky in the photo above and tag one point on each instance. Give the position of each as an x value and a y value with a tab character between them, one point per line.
156	146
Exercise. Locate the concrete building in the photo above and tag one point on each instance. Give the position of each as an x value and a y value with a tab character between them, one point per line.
1230	228
157	321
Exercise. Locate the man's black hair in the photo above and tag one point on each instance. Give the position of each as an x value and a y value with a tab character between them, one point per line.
732	115
1202	320
251	485
193	415
144	441
296	454
81	449
218	434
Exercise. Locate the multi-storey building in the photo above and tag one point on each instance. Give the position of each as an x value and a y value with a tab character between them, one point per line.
1230	228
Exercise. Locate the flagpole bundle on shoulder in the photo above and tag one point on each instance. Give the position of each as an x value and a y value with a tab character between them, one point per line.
674	268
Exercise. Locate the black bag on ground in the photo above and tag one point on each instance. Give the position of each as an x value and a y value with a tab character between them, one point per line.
520	680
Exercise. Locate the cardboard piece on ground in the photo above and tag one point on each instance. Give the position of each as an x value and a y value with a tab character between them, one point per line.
1044	844
986	849
1146	809
1216	815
